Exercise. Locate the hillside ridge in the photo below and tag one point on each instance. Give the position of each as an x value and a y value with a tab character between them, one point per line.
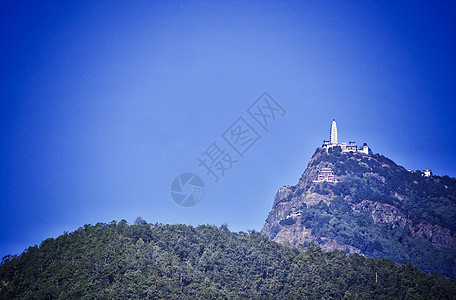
370	206
157	261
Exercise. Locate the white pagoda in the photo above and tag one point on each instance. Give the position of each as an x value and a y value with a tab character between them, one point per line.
350	147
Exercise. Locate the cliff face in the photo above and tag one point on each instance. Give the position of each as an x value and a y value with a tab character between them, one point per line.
375	208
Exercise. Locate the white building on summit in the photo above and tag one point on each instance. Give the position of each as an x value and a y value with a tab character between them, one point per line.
333	133
350	147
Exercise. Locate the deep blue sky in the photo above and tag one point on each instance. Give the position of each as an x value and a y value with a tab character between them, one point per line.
103	103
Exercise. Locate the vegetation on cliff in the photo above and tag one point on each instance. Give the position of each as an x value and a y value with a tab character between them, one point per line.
377	178
376	207
145	261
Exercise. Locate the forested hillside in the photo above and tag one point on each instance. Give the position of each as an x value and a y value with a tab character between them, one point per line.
375	208
146	261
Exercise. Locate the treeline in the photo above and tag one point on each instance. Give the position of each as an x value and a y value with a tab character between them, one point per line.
156	261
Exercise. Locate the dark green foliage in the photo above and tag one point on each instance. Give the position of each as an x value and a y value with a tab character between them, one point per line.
337	150
145	261
288	221
338	222
323	188
376	178
274	231
430	199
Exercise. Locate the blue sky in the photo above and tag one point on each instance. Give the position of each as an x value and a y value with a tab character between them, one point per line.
104	103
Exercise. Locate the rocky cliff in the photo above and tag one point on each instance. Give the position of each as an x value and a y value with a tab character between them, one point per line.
375	208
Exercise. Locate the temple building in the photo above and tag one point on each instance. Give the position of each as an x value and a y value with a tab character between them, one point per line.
350	147
325	174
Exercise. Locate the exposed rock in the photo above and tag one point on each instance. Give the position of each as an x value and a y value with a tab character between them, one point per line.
289	201
401	197
439	237
383	213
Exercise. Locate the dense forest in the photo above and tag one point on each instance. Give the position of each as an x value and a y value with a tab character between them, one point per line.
156	261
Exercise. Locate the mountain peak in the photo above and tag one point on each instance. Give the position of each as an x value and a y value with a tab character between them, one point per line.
365	203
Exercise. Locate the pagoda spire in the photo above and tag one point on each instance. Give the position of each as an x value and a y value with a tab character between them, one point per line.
333	133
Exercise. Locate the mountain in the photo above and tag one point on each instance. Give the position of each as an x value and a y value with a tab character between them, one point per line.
370	206
156	261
